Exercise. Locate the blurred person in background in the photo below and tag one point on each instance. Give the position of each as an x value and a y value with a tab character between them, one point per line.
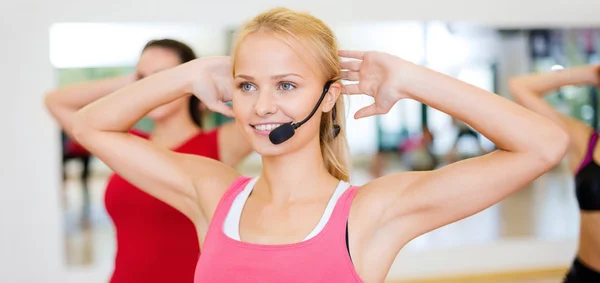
155	242
414	152
71	150
583	156
466	145
417	151
379	162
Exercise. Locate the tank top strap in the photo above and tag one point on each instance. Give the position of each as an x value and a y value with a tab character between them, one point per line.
589	155
593	142
339	217
225	203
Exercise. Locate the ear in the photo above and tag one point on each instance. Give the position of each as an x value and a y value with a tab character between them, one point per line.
331	97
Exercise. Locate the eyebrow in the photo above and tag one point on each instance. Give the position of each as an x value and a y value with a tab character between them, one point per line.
276	77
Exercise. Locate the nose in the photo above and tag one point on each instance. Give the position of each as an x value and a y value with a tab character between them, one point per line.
264	104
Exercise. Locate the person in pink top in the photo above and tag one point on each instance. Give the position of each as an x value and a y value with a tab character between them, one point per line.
300	220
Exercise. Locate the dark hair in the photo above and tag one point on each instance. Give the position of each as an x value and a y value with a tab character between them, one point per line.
185	54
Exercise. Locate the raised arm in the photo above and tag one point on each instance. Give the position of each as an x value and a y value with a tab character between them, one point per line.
190	184
406	205
529	91
63	103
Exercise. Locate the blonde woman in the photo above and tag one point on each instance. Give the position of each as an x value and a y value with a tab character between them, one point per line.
300	221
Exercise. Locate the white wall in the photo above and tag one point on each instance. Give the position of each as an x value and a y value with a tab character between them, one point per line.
506	12
30	244
84	45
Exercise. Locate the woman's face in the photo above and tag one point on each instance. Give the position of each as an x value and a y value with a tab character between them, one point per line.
154	60
273	86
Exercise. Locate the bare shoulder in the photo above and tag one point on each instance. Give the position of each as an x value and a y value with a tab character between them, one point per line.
370	236
399	180
373	198
211	179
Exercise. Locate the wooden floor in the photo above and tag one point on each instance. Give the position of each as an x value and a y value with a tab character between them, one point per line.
525	280
528	280
554	279
539	280
554	275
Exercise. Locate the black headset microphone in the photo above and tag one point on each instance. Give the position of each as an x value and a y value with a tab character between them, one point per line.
287	130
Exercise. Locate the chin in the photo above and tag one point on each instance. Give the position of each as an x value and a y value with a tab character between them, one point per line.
262	144
265	148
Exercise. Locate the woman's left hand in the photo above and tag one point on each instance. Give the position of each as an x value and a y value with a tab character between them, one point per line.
379	75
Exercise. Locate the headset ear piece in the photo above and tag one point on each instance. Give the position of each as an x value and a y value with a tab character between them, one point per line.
336	127
336	130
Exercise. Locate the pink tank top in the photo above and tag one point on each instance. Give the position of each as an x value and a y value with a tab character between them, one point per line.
322	258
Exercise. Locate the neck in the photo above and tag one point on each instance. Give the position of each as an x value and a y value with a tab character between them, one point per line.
174	130
296	176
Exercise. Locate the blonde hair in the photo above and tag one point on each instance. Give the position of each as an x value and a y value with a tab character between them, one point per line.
319	40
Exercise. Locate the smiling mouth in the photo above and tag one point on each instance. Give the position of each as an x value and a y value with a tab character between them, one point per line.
266	127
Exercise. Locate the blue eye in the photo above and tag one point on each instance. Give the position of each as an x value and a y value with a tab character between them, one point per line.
247	87
286	86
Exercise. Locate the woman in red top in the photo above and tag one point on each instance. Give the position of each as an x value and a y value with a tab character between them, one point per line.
155	242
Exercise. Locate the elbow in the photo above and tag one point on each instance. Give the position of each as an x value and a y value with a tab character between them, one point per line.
554	148
514	87
513	82
50	100
81	129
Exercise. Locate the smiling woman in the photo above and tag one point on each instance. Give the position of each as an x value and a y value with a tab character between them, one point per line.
300	221
286	79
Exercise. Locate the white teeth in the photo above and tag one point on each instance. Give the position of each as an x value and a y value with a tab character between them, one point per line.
267	127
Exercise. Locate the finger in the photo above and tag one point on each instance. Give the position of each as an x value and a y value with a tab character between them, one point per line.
222	108
367	111
350	75
353	65
351	54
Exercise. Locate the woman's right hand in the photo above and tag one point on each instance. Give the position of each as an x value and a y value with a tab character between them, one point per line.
212	82
379	75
